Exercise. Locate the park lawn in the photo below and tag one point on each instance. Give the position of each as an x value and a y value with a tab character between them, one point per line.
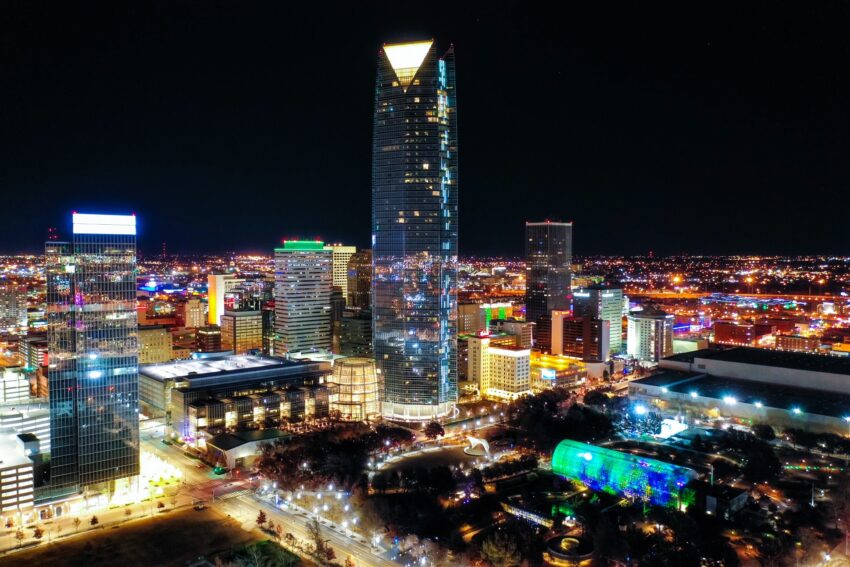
169	539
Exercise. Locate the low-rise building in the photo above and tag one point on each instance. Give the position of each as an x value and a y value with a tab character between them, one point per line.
154	344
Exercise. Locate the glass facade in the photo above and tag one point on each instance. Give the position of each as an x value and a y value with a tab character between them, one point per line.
93	353
632	476
548	255
414	230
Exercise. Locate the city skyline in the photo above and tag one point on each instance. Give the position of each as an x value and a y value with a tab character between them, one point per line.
728	128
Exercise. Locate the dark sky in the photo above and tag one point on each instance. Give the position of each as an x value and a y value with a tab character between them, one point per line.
688	127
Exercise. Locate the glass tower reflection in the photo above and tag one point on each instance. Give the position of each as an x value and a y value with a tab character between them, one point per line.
414	230
93	353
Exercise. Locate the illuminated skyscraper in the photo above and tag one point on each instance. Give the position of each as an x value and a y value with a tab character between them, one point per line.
302	300
414	230
359	280
13	308
650	334
548	254
217	286
605	303
93	354
340	255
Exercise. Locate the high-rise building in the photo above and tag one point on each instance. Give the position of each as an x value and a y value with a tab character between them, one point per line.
649	335
302	303
94	354
193	313
519	329
360	280
548	254
597	302
242	331
355	333
340	256
13	308
209	339
582	337
501	370
217	286
414	230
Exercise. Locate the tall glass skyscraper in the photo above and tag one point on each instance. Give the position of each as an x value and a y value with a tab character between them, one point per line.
93	354
414	230
548	255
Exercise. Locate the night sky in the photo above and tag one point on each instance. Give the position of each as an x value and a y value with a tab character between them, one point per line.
686	128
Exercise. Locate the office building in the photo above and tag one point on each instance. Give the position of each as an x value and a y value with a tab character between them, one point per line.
217	286
740	333
798	343
93	353
606	304
337	309
268	327
501	370
31	419
303	282
355	333
475	317
193	313
13	308
154	344
360	280
414	230
650	335
209	339
522	330
340	257
358	390
33	351
581	337
16	479
548	255
242	331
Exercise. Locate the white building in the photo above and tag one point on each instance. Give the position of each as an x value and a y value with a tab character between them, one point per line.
195	309
502	371
14	385
303	281
28	419
16	479
340	255
650	335
13	307
605	304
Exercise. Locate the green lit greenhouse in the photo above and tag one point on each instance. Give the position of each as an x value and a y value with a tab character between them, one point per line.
635	477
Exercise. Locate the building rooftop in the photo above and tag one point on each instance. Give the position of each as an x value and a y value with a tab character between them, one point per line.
11	451
228	441
735	390
211	366
666	378
780	359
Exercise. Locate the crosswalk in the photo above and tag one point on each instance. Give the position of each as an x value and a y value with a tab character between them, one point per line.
234	494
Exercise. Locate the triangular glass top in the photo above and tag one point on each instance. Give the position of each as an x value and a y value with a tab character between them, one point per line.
406	59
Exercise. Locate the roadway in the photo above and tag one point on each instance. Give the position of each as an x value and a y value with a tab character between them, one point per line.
236	498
